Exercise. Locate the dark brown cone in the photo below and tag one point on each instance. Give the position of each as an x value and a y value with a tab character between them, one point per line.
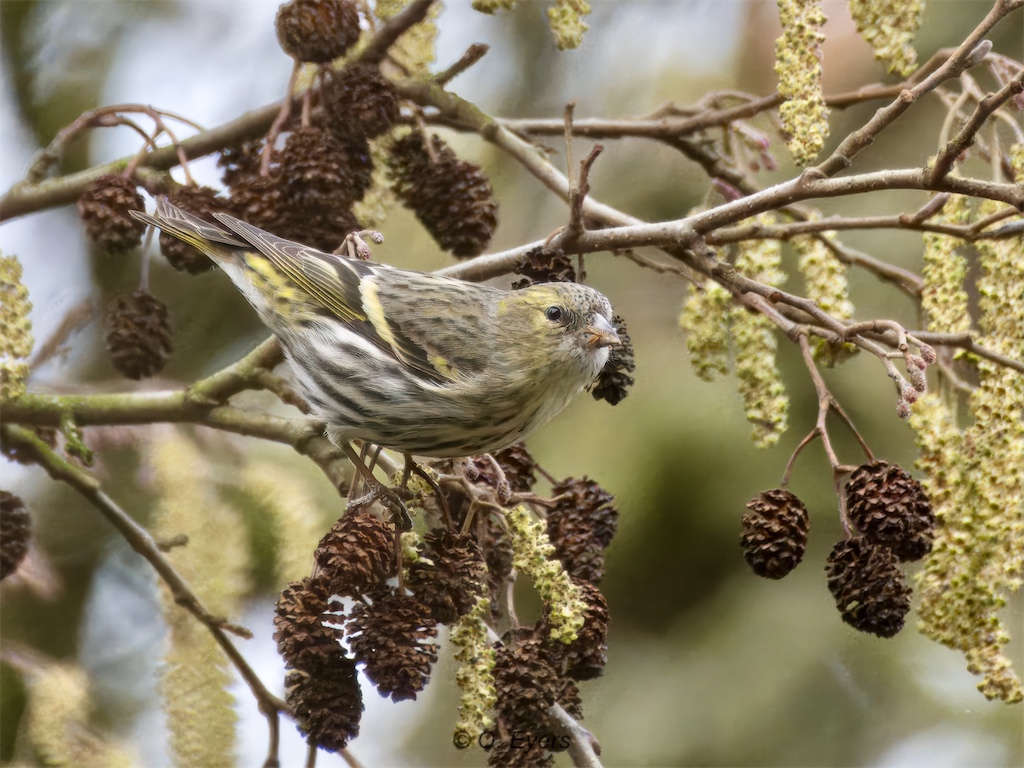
357	555
199	201
360	102
614	381
581	526
451	198
322	172
263	202
774	536
526	684
138	334
516	752
542	266
326	703
868	586
317	31
585	657
571	702
15	532
519	467
526	681
395	637
891	508
241	162
103	208
449	587
303	640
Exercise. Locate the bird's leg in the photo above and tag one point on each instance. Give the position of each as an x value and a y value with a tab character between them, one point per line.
411	467
390	499
502	487
355	247
373	456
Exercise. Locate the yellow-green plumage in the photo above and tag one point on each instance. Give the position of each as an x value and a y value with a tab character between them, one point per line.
420	363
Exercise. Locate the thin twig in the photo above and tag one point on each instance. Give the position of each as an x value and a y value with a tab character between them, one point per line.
32	195
965	56
280	120
824	399
473	54
808	439
31	445
856	433
964	139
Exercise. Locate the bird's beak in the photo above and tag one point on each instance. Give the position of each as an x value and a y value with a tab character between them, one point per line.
602	334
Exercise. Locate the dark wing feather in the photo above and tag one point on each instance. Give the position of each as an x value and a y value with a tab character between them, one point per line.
336	283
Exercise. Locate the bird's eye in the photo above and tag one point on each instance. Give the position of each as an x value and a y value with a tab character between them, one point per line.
554	314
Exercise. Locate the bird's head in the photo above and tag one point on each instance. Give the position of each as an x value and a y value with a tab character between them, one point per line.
570	324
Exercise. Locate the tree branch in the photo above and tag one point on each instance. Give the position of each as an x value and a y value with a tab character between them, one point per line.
24	197
31	446
968	54
959	143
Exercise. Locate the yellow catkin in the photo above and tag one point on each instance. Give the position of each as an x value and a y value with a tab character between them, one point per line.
565	18
798	66
15	329
58	706
976	481
493	6
1016	155
372	211
826	281
475	676
196	675
755	345
416	49
943	297
532	555
57	721
889	27
705	318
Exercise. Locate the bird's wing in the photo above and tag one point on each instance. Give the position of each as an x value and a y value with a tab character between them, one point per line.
347	289
207	237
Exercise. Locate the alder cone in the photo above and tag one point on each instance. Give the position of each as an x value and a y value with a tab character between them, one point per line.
15	531
868	586
774	535
451	198
317	31
891	508
199	201
104	208
357	555
139	334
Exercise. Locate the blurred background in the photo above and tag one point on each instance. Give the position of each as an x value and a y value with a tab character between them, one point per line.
708	664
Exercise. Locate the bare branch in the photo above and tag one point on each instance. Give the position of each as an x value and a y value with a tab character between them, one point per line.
962	58
964	139
30	445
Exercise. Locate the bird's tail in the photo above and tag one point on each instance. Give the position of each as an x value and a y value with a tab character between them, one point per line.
217	243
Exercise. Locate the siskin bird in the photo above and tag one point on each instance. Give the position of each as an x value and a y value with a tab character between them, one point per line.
419	363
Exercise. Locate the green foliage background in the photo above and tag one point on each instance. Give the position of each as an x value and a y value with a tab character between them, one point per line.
708	665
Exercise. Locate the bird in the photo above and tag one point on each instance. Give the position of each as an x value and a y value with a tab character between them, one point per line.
415	362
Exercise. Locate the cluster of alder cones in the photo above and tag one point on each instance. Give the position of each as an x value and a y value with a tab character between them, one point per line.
371	604
893	523
305	190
